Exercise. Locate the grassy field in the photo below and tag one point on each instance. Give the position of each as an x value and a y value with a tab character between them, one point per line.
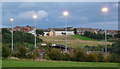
25	63
83	38
72	41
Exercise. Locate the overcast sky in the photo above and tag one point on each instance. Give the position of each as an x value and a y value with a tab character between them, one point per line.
81	14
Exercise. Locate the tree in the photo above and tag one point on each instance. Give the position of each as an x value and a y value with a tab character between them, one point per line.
25	37
93	57
6	52
66	57
80	55
115	48
6	38
55	54
118	35
5	30
100	57
75	31
39	32
29	38
6	35
19	36
94	35
22	51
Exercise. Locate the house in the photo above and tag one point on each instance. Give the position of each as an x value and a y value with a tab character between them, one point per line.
58	31
32	31
25	29
81	31
112	32
51	33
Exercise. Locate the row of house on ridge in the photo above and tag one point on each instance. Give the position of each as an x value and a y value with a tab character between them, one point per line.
81	31
58	31
63	31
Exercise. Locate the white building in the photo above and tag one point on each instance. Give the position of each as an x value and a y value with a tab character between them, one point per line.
32	31
58	31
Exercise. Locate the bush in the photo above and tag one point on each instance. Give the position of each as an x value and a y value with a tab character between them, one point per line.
5	30
80	55
6	38
55	54
30	56
21	53
36	54
115	48
107	58
66	57
94	35
46	57
6	52
93	57
115	58
21	37
100	57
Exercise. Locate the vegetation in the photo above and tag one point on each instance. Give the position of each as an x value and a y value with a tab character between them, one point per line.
39	32
94	35
83	38
97	36
75	31
23	44
21	53
23	49
79	55
115	48
6	52
93	57
55	54
118	35
21	37
82	56
5	30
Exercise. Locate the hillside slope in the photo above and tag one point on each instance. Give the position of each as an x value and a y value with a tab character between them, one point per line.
72	42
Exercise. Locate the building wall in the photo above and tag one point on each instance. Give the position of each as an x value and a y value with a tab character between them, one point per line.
51	33
56	33
32	32
60	32
45	33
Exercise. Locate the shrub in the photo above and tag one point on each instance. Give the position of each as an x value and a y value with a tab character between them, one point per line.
36	54
5	30
115	58
6	38
21	53
93	57
55	54
6	52
46	57
107	58
80	55
66	57
115	48
30	56
100	57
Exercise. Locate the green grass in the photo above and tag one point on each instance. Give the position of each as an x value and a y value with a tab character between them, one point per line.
25	63
83	38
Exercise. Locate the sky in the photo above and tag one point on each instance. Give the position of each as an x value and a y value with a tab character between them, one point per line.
81	14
